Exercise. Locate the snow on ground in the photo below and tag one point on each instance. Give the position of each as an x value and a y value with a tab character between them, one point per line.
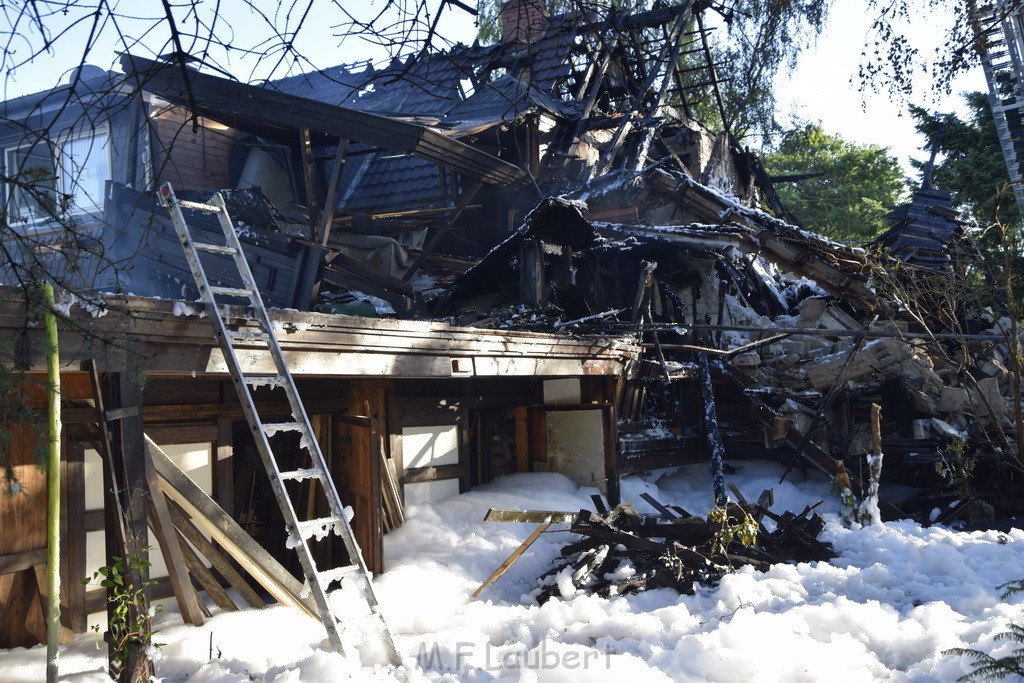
885	609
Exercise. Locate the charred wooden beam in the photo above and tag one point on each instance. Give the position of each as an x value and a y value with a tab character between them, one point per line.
709	419
220	96
531	273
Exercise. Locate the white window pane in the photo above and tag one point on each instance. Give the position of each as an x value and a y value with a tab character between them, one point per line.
430	446
30	196
85	168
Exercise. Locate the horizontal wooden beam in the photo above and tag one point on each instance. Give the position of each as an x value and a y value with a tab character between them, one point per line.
417	475
211	411
17	562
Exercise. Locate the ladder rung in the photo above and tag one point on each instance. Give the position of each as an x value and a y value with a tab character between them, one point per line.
300	474
328	576
215	248
265	380
198	206
230	291
248	335
271	428
319	527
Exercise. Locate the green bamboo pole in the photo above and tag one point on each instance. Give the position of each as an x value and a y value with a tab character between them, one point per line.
53	488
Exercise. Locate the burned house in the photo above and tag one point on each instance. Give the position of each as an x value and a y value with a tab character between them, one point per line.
578	278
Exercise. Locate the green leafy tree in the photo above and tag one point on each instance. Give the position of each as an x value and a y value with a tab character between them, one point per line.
847	187
971	166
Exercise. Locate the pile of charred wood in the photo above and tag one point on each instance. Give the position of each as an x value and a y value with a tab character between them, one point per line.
624	552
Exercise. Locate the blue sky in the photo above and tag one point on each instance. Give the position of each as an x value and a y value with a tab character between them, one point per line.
823	87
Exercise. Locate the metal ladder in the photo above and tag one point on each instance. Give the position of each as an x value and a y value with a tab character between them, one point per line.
299	530
1002	59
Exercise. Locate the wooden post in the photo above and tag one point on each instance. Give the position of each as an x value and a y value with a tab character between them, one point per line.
869	512
611	454
224	470
376	498
332	193
709	416
531	273
177	571
306	153
124	392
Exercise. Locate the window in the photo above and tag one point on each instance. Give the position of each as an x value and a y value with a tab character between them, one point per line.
48	183
84	170
31	193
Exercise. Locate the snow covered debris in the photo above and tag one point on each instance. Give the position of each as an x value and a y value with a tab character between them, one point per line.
886	608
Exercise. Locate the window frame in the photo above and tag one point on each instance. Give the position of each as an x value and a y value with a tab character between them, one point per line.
12	191
65	183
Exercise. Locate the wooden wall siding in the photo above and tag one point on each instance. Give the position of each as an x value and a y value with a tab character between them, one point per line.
358	458
191	160
22	531
144	245
24	513
352	471
22	623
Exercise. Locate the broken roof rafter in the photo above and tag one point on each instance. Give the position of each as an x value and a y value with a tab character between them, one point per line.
222	96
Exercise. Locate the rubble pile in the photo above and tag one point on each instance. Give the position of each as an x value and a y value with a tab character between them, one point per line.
623	552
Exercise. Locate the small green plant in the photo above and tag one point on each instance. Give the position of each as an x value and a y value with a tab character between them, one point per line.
841	487
1012	588
742	530
985	666
956	468
130	622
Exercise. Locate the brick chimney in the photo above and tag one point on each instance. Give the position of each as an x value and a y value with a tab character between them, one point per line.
523	20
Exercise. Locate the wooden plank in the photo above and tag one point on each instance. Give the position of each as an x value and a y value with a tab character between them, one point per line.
355	420
92	520
530	516
20	561
160	523
220	563
23	512
96	600
202	509
14	606
611	454
223	465
415	475
666	514
512	558
392	495
531	272
73	537
522	439
376	499
204	577
213	411
66	634
309	180
331	201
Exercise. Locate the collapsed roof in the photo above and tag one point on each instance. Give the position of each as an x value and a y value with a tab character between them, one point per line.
558	183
